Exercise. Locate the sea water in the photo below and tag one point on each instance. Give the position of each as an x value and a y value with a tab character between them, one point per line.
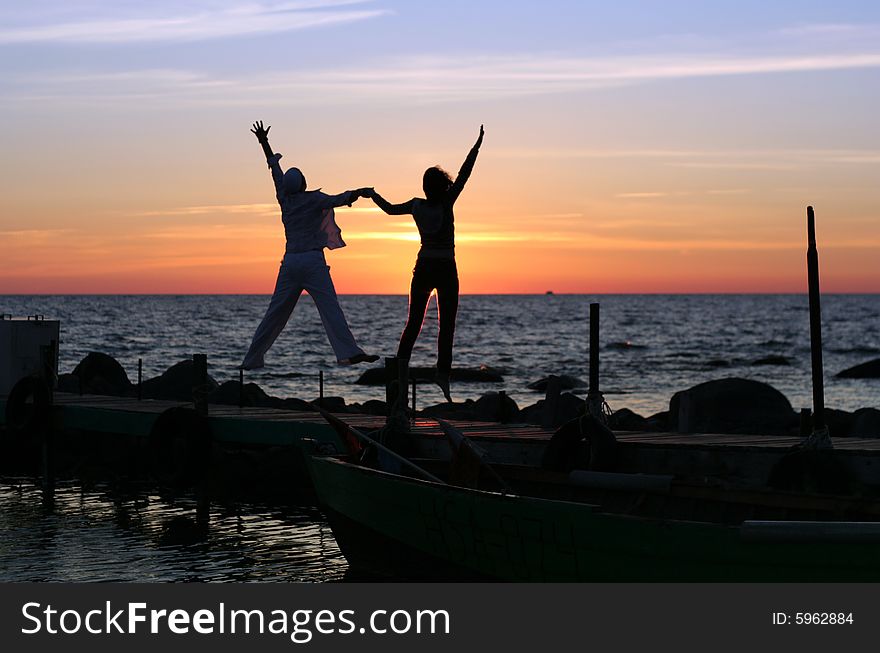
651	347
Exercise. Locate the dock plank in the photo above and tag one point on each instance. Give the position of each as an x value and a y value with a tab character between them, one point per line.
275	426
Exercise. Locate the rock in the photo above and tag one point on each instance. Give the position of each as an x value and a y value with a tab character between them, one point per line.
869	370
228	394
624	344
627	420
292	403
569	407
565	383
866	423
839	422
332	404
462	410
68	383
772	360
496	407
175	383
732	405
102	374
376	375
659	421
372	407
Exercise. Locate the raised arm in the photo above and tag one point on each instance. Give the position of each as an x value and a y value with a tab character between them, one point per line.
389	208
262	135
466	169
347	198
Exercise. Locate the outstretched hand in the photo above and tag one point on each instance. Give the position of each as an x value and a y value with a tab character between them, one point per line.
480	137
261	133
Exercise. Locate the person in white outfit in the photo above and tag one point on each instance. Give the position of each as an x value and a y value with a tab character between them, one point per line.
309	226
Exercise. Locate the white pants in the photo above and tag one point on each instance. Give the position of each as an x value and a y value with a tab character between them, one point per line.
302	271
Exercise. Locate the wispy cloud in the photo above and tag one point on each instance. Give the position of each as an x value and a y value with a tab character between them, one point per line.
421	79
641	195
213	209
196	25
722	159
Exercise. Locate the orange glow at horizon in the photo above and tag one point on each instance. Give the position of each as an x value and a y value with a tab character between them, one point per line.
242	258
519	229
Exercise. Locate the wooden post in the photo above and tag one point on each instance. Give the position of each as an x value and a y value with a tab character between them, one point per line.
321	386
240	388
594	348
806	426
414	398
551	401
200	383
48	358
391	370
595	400
815	324
140	377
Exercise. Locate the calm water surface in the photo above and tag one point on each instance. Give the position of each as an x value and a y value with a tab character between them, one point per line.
652	346
95	535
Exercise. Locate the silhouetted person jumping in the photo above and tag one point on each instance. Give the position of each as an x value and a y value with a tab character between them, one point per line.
435	266
309	226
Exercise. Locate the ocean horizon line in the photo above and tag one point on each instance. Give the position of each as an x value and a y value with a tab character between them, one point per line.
471	294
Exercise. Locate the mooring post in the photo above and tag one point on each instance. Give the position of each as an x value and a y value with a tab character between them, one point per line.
48	361
503	413
551	401
240	388
595	400
391	373
819	437
200	383
806	425
414	398
321	387
594	347
140	377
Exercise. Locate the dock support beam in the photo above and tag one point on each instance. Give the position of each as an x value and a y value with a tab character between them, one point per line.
551	401
414	398
819	438
200	383
390	383
48	370
595	400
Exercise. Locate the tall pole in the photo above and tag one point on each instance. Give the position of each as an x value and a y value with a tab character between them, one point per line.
594	395
200	383
815	331
594	348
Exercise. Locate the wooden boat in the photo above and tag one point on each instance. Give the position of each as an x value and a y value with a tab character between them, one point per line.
592	526
600	524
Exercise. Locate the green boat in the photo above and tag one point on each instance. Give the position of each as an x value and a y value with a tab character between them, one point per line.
589	526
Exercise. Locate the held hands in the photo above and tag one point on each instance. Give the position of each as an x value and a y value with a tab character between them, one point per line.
261	133
355	195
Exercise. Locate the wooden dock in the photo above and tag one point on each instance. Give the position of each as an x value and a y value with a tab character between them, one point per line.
748	458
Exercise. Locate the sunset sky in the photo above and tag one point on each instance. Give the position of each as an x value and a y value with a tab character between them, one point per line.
630	146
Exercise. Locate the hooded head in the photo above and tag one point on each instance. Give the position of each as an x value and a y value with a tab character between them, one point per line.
293	181
435	182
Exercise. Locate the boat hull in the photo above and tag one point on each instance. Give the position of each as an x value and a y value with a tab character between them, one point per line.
412	530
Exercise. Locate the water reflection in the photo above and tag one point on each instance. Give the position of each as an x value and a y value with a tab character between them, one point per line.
96	534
